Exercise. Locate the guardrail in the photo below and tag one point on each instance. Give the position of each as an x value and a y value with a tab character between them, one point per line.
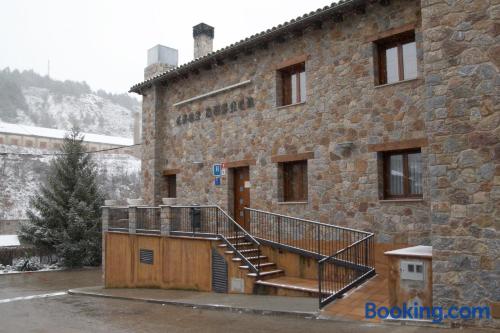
211	220
118	219
148	220
345	255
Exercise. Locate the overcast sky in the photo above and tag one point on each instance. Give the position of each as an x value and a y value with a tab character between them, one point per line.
104	42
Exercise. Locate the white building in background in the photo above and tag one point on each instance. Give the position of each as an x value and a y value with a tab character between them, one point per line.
51	139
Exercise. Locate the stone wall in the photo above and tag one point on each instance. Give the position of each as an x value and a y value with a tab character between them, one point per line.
342	105
461	61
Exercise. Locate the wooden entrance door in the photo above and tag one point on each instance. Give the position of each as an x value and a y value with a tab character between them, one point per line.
241	188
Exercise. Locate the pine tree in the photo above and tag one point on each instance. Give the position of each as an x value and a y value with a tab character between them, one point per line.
65	212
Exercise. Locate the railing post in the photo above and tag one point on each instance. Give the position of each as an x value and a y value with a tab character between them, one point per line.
132	219
318	236
216	222
279	229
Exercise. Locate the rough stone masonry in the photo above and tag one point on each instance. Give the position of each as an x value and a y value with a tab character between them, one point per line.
450	111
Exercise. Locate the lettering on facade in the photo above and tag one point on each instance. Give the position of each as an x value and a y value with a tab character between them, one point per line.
217	110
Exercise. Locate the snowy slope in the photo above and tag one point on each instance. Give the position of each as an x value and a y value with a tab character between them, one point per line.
20	176
90	112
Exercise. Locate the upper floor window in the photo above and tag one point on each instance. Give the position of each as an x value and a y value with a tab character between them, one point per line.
397	58
403	174
293	84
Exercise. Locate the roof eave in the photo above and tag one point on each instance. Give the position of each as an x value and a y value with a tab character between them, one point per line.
248	42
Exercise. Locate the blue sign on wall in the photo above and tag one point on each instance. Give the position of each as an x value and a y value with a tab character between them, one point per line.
217	181
216	170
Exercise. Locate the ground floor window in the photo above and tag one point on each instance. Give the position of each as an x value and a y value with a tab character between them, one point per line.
403	174
293	180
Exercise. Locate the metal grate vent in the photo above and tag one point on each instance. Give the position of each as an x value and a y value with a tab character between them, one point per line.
219	272
146	256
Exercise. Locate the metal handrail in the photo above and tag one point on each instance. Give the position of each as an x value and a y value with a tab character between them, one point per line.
339	252
308	221
235	225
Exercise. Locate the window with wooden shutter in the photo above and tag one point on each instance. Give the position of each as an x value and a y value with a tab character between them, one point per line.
171	181
294	180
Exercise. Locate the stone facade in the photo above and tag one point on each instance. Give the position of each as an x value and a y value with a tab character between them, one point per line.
461	49
449	111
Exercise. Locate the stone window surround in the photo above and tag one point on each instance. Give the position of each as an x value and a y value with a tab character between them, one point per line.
373	39
303	58
289	158
380	148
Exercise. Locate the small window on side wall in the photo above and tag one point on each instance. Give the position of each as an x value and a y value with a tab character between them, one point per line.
171	181
294	181
397	58
293	84
403	174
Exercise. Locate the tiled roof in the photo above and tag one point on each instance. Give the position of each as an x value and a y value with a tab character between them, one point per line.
263	36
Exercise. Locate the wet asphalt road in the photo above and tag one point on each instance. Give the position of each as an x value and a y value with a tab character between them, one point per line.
69	313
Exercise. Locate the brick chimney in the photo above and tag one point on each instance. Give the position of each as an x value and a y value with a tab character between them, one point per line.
203	35
160	59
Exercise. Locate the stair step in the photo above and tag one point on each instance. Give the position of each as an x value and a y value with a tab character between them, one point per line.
235	237
241	251
266	273
262	265
249	258
248	250
236	245
297	284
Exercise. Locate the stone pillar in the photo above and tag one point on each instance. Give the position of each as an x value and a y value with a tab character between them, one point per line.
166	215
104	228
132	219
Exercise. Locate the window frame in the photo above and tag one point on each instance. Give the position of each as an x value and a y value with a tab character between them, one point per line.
287	186
398	41
406	179
286	74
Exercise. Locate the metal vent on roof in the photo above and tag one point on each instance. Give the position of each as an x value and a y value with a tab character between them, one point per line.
219	272
146	256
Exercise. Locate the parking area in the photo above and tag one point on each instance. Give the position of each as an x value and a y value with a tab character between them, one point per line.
38	302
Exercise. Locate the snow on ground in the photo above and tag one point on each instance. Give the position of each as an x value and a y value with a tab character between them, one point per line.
9	240
21	175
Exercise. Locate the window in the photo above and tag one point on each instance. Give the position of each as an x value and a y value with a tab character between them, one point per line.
397	58
43	145
294	177
403	174
293	84
171	182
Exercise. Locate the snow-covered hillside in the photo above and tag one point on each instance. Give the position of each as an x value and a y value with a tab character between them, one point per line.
90	112
20	176
31	99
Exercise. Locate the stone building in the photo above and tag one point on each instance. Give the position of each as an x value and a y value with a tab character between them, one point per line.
377	115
